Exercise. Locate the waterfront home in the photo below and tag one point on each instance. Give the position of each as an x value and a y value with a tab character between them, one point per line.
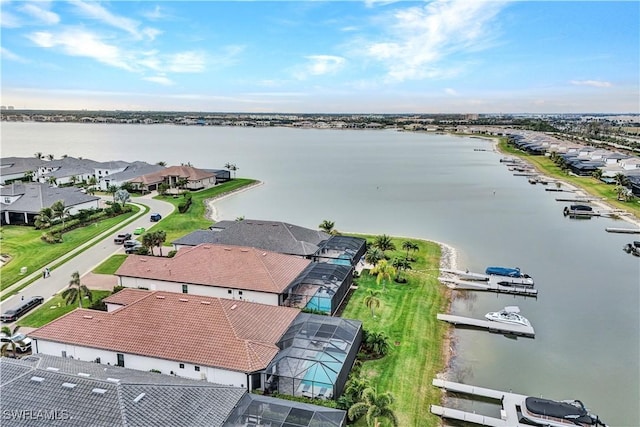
107	178
212	339
20	203
19	168
70	170
82	394
280	237
180	178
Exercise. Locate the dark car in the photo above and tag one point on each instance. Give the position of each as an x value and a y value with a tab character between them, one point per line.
13	314
121	238
155	217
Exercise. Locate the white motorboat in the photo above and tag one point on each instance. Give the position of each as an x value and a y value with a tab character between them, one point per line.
509	315
551	413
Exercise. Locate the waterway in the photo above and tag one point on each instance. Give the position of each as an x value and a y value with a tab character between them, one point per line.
435	187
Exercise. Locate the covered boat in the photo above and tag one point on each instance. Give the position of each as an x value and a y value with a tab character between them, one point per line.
509	315
553	413
505	271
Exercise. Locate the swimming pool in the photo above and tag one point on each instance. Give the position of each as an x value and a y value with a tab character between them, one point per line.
324	371
321	301
342	260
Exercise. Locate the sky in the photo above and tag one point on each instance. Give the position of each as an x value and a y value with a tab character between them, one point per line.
467	56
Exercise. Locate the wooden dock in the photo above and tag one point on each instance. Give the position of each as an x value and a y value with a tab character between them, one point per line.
495	327
508	414
623	230
489	287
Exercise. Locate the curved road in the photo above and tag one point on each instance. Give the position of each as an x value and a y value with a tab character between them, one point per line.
90	258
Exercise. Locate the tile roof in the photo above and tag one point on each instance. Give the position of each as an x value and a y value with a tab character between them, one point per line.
269	235
187	172
219	265
228	334
167	400
126	298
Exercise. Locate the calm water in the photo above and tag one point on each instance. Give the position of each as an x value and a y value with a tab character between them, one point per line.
435	187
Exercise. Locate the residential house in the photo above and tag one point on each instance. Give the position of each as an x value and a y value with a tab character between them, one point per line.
176	178
106	177
20	203
67	170
235	343
19	168
223	271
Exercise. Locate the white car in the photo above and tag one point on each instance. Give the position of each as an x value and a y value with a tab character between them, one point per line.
23	342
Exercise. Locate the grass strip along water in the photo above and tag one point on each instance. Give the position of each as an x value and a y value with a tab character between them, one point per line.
407	315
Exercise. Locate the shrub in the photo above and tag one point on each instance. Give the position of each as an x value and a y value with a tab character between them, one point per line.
172	253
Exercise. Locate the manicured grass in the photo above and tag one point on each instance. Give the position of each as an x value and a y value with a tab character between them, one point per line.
55	308
589	184
26	248
110	265
408	316
177	225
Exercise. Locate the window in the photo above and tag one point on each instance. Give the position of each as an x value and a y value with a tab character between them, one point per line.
197	368
120	357
239	292
64	353
229	291
182	366
185	289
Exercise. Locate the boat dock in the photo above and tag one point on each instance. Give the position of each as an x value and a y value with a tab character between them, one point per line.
508	414
488	286
495	327
623	230
576	200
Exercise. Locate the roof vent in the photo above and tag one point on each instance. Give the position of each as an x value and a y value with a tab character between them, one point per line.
205	302
139	398
69	385
86	316
98	391
83	374
183	300
37	379
227	249
234	306
51	368
160	296
113	380
264	254
244	250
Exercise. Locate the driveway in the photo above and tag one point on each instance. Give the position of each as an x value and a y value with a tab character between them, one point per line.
92	257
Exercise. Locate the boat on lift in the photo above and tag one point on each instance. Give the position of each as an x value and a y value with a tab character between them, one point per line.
508	276
510	315
552	413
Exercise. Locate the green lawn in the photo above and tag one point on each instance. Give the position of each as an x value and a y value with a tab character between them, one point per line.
55	308
110	265
589	184
408	316
177	225
26	248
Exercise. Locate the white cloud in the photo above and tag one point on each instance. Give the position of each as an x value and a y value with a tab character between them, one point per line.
162	80
42	15
9	20
96	11
318	65
7	54
83	43
421	38
157	13
450	91
592	83
185	62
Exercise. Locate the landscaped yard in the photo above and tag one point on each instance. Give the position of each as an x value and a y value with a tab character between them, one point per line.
408	316
177	225
591	185
110	265
55	308
26	248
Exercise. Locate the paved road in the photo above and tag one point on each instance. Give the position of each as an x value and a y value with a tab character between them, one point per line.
90	258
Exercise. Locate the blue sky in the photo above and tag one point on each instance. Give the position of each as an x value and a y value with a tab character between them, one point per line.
470	56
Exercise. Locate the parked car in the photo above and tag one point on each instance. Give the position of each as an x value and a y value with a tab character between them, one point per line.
155	217
138	231
121	238
13	314
133	249
23	342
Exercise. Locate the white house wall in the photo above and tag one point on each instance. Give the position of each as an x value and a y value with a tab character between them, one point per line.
143	363
94	204
203	290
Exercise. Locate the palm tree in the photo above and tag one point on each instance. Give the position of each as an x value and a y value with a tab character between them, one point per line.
622	180
93	181
356	386
76	291
29	175
597	174
373	255
112	190
60	211
52	180
372	301
39	155
50	157
43	219
73	180
233	168
11	343
384	271
407	246
384	243
373	406
161	163
148	241
378	343
400	264
327	226
159	237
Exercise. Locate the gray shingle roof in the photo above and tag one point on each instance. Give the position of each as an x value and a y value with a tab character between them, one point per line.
167	400
274	236
35	196
14	165
135	170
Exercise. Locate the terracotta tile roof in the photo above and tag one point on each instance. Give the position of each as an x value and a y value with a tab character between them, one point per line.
187	172
234	335
228	266
126	296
